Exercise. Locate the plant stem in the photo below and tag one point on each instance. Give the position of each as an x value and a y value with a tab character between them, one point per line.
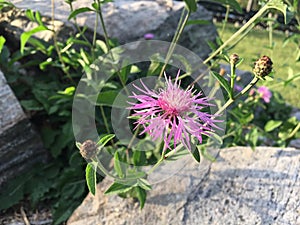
179	30
239	32
99	12
230	101
225	20
101	167
270	25
232	78
158	162
64	67
294	131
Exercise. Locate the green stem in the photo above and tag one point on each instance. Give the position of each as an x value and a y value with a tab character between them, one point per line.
239	32
101	167
55	43
104	119
225	19
232	78
133	137
230	101
294	131
179	30
270	25
99	12
158	162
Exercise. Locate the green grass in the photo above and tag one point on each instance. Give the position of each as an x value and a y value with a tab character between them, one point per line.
255	44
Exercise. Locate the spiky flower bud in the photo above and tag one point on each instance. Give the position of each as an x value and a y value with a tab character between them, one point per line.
88	149
263	66
234	58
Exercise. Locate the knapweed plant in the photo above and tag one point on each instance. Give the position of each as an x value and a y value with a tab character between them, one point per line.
175	120
177	115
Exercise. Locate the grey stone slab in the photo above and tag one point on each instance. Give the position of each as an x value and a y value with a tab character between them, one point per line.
129	20
10	110
241	187
20	144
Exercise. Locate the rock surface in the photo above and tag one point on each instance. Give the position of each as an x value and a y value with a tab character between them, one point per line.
20	145
242	187
129	20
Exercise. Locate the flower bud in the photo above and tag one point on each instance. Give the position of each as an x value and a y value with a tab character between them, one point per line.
234	58
263	66
88	149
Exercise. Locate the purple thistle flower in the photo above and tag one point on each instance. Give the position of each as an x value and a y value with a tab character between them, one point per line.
173	113
265	93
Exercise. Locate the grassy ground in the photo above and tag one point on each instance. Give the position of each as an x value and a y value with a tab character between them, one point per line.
255	44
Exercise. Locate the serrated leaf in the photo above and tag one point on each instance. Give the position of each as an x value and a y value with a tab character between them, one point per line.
223	82
191	5
272	125
117	188
90	176
78	11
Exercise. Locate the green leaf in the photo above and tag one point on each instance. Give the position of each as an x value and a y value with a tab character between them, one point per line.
2	41
78	11
196	155
139	158
105	139
144	184
38	18
232	3
26	35
191	5
64	211
205	154
4	4
107	98
252	138
78	145
31	105
117	188
90	175
30	14
198	22
133	175
118	165
68	91
141	195
102	45
224	83
272	124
